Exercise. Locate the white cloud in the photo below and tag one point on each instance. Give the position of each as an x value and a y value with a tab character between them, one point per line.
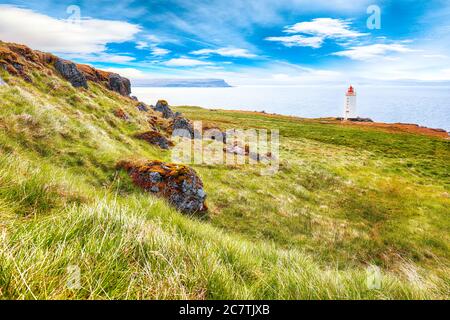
298	41
154	48
99	57
435	56
226	52
142	45
60	36
185	62
325	27
156	51
130	73
153	38
313	33
373	51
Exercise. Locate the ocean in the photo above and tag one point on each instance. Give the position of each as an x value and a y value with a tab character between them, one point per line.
426	106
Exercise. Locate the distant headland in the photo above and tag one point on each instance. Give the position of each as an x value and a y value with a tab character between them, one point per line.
186	83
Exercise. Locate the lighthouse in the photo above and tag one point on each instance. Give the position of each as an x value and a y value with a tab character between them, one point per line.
350	104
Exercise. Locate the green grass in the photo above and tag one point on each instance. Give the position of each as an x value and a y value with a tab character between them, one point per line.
344	199
345	195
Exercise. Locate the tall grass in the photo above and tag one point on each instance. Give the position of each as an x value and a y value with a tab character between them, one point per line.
141	249
308	232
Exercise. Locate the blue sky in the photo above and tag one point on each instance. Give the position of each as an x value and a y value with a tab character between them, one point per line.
243	42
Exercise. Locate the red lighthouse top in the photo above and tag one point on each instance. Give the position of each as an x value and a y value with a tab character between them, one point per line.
351	91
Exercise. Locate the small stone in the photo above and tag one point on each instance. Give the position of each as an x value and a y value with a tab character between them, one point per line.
155	177
142	107
201	193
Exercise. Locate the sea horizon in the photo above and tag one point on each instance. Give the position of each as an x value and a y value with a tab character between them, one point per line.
425	105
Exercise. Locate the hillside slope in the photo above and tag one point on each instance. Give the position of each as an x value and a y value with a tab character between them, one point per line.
345	198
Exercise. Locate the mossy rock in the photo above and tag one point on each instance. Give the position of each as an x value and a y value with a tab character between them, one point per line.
179	184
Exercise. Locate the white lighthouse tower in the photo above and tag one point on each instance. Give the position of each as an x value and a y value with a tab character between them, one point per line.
350	104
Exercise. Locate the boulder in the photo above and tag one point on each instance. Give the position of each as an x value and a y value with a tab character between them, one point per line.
155	138
2	83
179	184
163	107
181	123
119	84
71	73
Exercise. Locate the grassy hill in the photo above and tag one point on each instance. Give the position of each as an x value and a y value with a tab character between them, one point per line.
346	198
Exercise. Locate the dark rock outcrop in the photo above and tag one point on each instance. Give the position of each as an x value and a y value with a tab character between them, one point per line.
71	73
19	60
119	84
181	123
358	119
163	107
179	184
155	138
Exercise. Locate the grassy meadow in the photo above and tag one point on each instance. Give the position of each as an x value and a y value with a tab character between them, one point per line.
345	198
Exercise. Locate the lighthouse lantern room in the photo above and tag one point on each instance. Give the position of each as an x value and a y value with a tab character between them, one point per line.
350	104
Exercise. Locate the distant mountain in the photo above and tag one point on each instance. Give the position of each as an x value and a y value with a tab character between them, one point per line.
192	83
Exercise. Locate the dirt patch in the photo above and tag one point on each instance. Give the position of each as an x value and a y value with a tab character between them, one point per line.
402	128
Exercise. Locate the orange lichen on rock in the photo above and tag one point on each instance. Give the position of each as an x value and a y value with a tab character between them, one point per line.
11	62
179	184
18	59
158	123
155	138
119	113
93	74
